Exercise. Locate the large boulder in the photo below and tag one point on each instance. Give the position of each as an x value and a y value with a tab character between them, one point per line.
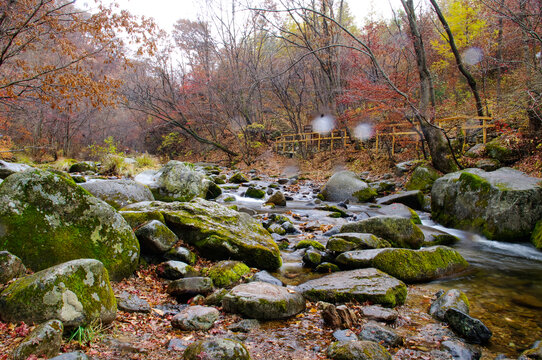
345	185
77	293
218	231
155	238
6	168
360	285
502	205
118	193
413	199
408	265
261	300
46	220
422	178
399	231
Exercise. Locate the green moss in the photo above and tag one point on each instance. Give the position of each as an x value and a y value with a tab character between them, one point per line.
472	182
422	179
227	273
415	217
138	218
252	192
536	237
321	197
308	243
238	178
334	209
229	199
326	267
365	195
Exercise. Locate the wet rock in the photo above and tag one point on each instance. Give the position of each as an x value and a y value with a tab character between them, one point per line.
74	355
327	268
373	331
41	210
218	231
345	185
195	318
359	285
312	258
244	325
422	179
407	265
276	229
132	303
357	350
219	349
333	209
277	199
282	181
501	205
536	236
77	293
173	270
6	168
469	328
228	272
461	351
437	237
349	241
304	244
401	210
450	299
414	199
238	178
290	228
345	335
11	267
534	353
188	287
259	300
400	232
255	193
265	276
181	254
155	238
44	341
378	313
118	193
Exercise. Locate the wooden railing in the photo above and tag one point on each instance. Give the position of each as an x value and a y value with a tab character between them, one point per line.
311	141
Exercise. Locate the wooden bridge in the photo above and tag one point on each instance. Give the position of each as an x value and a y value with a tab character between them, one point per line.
387	137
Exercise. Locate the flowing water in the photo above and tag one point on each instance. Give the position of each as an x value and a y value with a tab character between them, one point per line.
503	284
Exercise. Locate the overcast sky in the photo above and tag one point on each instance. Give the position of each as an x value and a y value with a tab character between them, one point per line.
167	12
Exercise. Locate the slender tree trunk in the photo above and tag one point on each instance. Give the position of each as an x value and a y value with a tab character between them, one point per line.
468	76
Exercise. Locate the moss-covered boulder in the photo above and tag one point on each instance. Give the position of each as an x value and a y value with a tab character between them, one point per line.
261	300
218	231
137	218
7	168
83	166
356	285
277	199
357	350
306	243
350	241
399	231
46	220
77	292
44	341
422	178
155	238
118	193
501	205
408	265
345	185
255	193
228	272
503	150
536	236
238	178
414	199
437	237
11	267
452	298
216	349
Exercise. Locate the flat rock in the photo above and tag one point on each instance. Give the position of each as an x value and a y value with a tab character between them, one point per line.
357	285
378	313
118	193
414	199
132	303
345	335
461	351
469	328
74	355
265	276
195	318
381	334
259	300
190	286
357	350
7	168
244	325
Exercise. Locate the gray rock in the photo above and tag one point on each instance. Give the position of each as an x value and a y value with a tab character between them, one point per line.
437	237
6	168
219	349
408	265
118	193
345	185
215	299
399	231
450	299
383	186
195	318
471	329
502	205
378	313
44	341
422	178
277	199
373	331
312	258
345	335
155	238
185	288
173	270
265	276
460	351
41	210
244	325
342	242
238	178
74	355
501	150
259	300
488	164
397	209
359	285
403	167
357	350
77	293
414	199
11	267
132	303
477	150
181	254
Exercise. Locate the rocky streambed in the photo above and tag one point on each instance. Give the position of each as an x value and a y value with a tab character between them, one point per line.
349	271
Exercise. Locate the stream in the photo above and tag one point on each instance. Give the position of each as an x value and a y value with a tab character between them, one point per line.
503	284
